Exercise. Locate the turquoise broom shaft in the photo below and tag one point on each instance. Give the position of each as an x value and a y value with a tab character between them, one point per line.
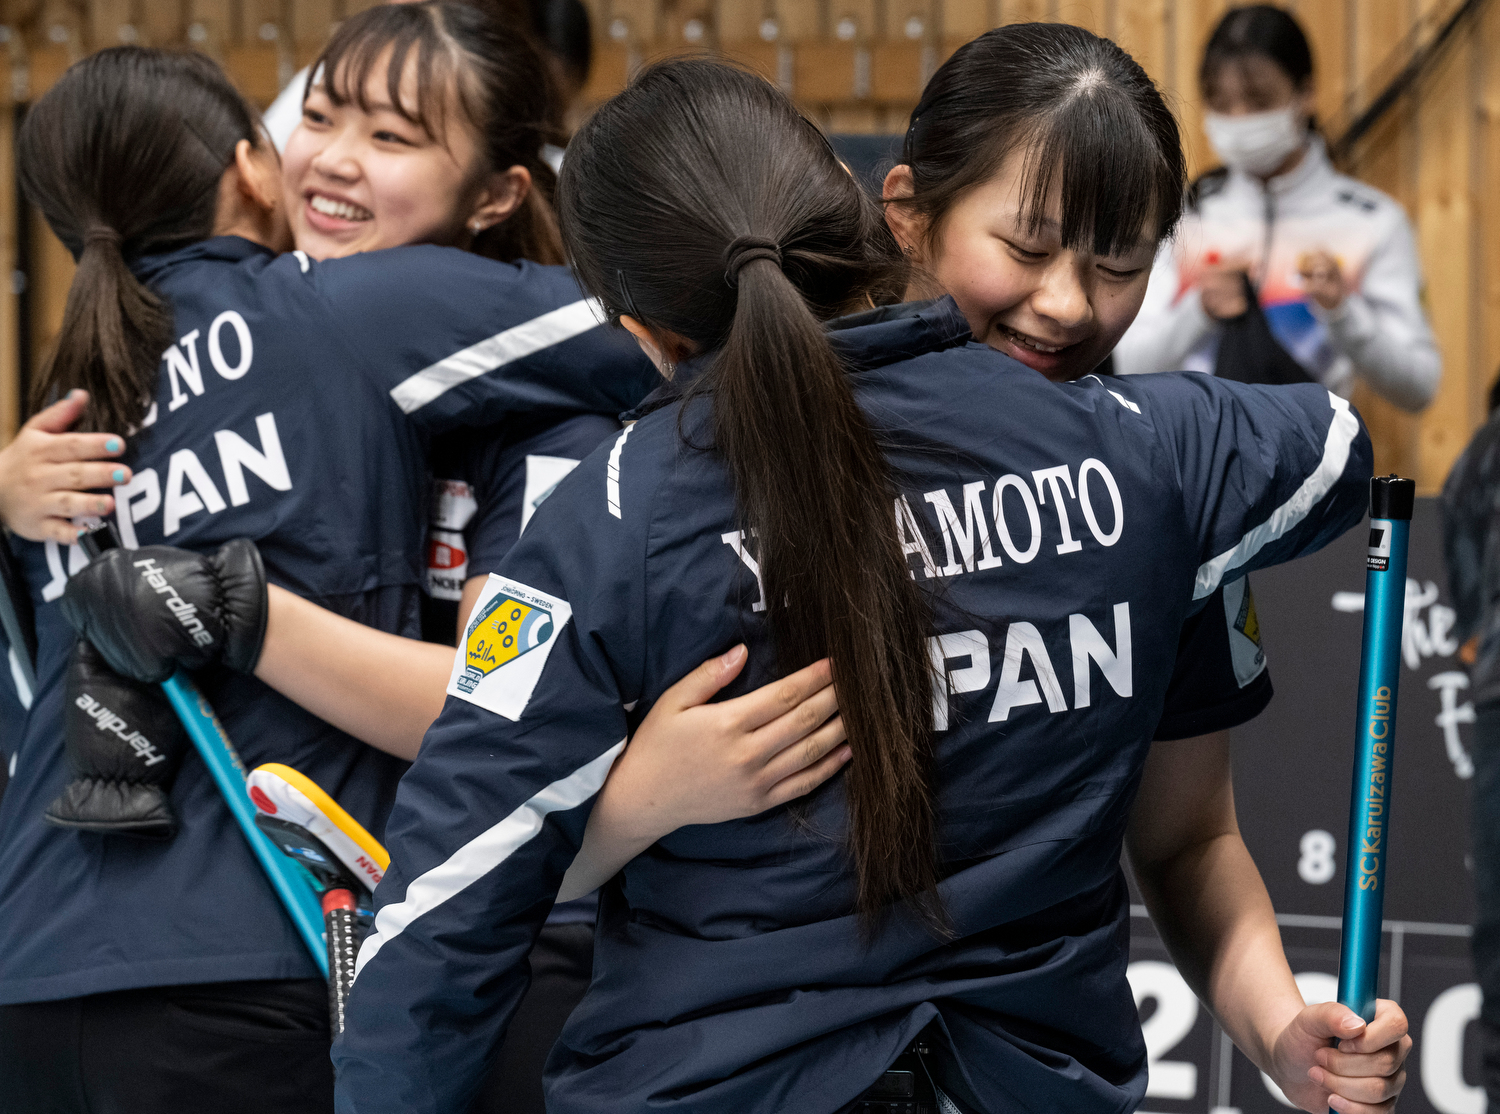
1391	503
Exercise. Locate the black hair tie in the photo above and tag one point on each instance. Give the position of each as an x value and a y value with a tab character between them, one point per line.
748	249
101	234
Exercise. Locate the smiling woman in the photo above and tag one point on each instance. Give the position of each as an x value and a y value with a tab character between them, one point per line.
1039	173
426	127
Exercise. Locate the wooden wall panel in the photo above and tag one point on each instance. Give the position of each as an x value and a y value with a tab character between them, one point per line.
47	291
162	22
1192	23
739	20
111	22
967	19
10	322
1488	168
799	21
1023	11
1144	28
1327	25
1443	219
1095	15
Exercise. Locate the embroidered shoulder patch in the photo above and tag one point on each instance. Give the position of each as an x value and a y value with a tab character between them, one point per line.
505	646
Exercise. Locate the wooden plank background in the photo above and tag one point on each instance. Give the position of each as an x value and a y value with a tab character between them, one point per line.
859	65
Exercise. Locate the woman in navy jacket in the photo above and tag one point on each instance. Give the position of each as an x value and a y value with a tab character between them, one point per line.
273	397
963	874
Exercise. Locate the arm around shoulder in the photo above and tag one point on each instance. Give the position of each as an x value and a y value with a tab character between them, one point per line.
1267	473
494	809
381	688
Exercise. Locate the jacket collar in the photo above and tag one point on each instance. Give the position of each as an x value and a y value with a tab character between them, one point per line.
902	332
228	249
864	341
1314	168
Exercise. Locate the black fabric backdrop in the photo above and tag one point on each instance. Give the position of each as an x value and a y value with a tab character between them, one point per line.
1292	770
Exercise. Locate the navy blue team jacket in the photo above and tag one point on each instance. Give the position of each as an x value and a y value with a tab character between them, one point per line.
487	484
295	409
1064	538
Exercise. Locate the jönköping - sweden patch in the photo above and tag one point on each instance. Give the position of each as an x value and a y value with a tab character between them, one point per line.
505	646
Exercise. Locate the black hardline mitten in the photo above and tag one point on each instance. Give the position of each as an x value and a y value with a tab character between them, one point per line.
153	610
124	745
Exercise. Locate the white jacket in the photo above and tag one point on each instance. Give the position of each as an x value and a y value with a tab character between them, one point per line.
1379	333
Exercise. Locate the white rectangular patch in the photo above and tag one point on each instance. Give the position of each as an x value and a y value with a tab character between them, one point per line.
512	630
543	474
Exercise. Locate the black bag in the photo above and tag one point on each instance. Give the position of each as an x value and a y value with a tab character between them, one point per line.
1250	353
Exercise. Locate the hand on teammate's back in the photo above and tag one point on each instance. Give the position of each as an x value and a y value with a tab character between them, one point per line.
692	762
48	475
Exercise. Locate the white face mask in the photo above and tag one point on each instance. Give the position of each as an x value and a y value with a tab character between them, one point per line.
1257	143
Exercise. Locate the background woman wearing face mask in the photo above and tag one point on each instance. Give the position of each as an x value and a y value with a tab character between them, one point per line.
1332	260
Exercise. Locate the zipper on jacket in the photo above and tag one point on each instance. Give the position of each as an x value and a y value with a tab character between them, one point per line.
1269	214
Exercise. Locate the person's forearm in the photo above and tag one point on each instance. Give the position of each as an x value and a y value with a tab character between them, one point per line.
1212	911
378	687
616	833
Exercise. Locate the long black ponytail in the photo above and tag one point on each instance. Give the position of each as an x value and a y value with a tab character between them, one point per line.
727	218
123	156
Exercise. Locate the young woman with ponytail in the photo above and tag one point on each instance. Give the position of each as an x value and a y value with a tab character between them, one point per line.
255	390
333	495
1012	101
951	529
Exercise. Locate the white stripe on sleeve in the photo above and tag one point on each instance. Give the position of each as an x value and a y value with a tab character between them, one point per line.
612	472
485	852
513	344
1341	434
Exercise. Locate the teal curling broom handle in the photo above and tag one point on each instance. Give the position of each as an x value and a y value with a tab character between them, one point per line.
223	762
211	741
1391	502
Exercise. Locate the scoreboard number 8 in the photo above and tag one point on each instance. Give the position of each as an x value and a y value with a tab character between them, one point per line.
1317	864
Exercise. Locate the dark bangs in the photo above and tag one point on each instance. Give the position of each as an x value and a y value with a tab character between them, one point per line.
1113	185
358	48
1093	126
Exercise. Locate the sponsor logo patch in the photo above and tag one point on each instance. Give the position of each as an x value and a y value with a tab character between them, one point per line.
505	646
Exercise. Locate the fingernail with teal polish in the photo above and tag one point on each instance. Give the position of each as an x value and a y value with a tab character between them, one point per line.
112	445
119	475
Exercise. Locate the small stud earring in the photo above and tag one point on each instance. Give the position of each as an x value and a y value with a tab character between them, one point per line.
476	227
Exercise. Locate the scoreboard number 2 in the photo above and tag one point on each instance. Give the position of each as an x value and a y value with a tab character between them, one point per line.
1173	1019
